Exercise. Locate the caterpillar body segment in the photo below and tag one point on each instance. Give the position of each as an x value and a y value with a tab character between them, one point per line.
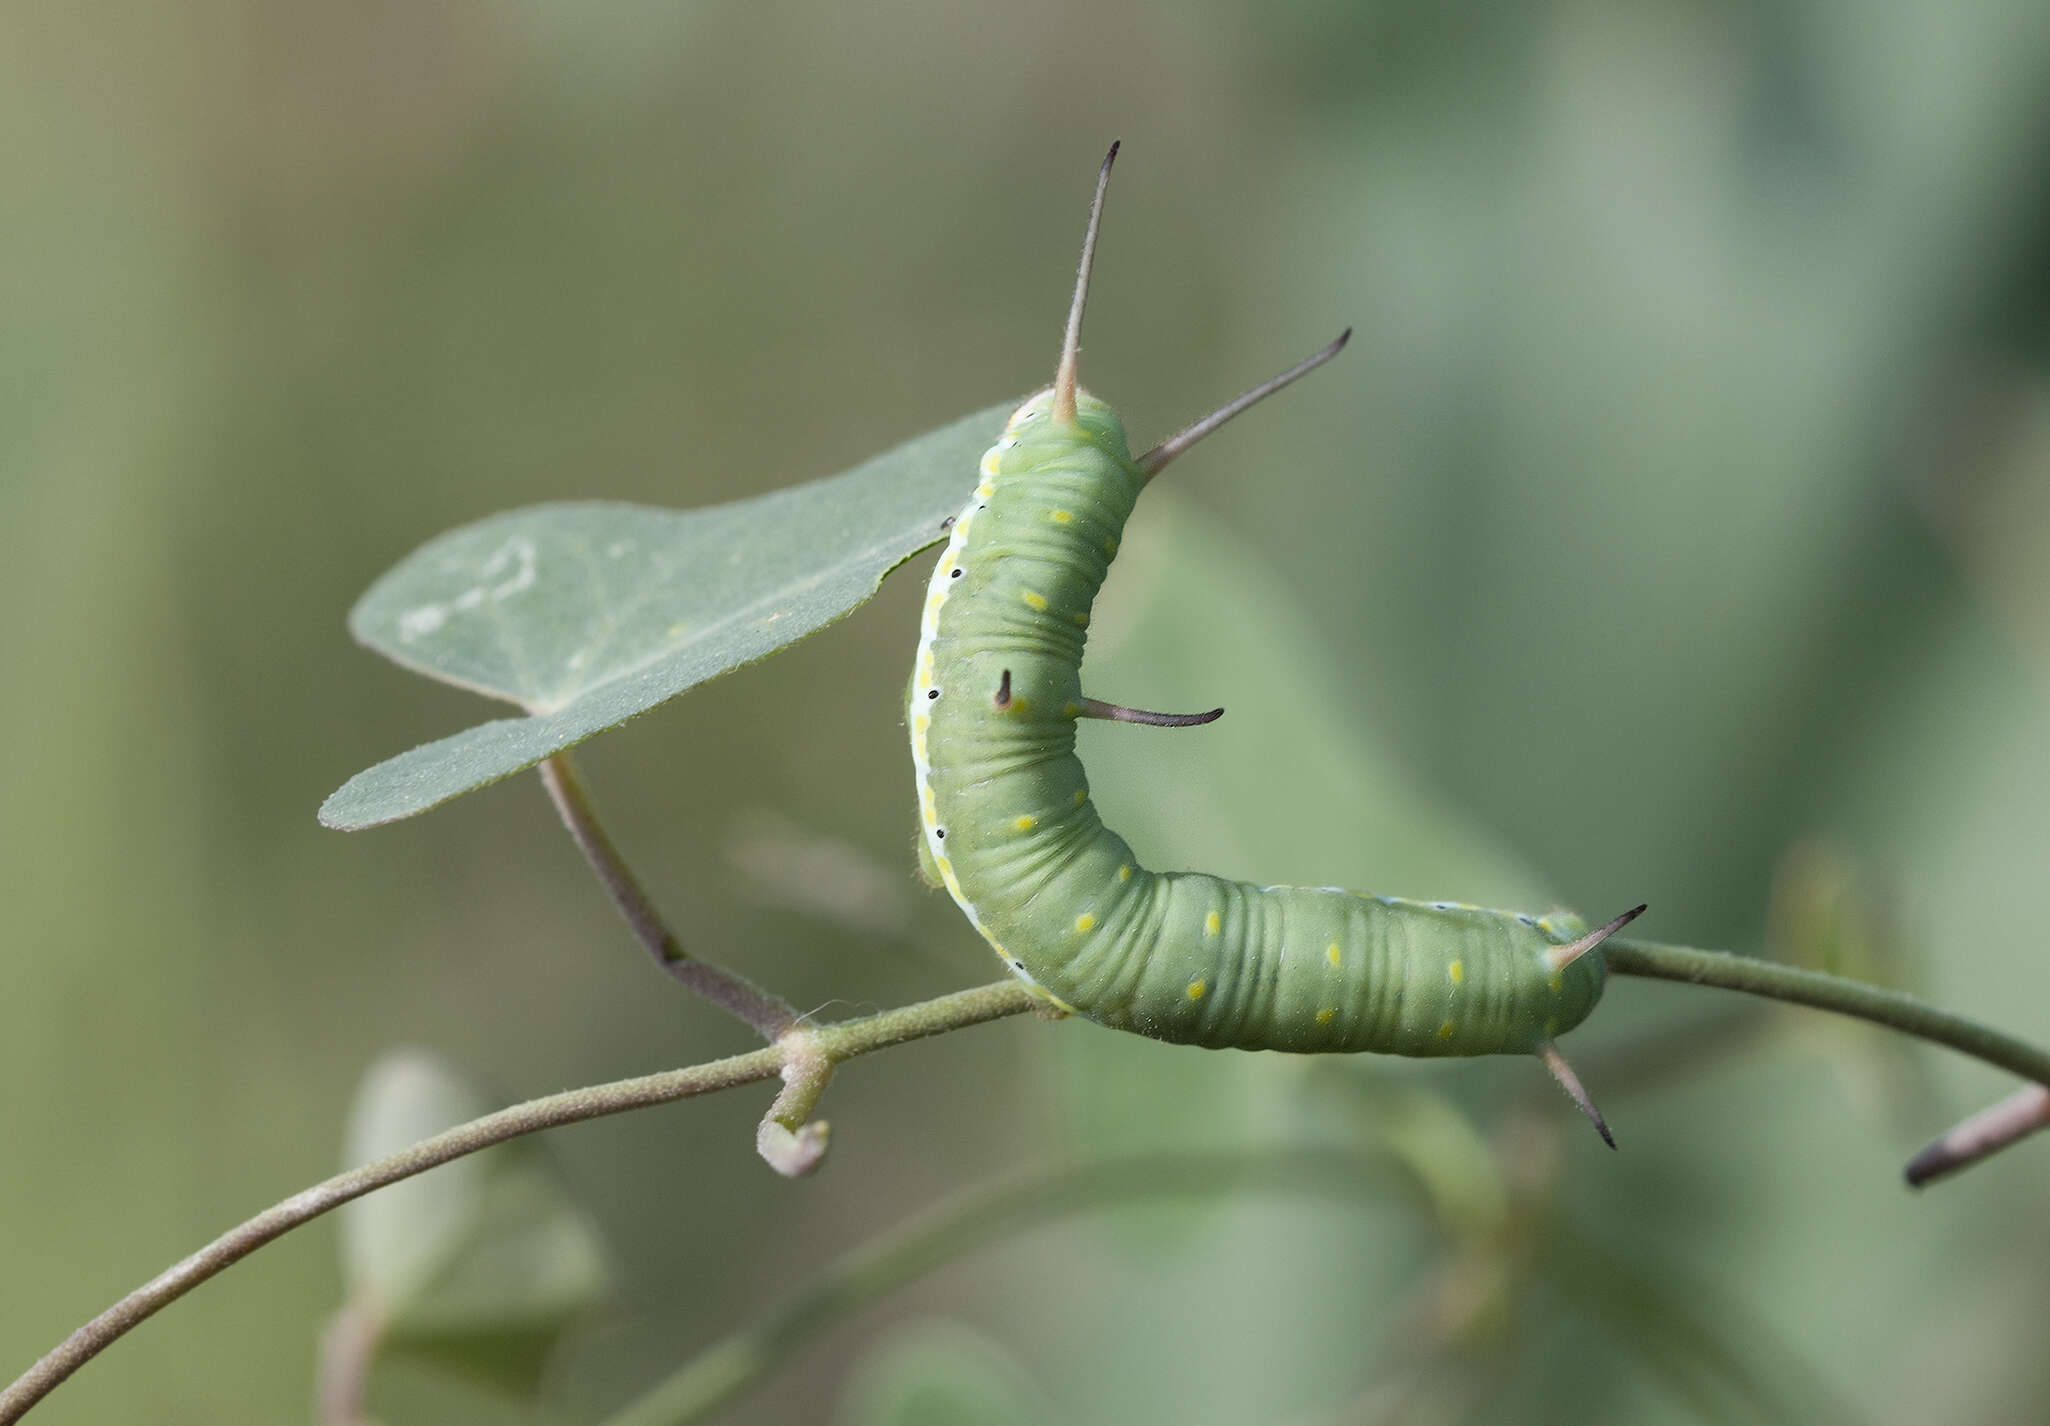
1009	829
1184	956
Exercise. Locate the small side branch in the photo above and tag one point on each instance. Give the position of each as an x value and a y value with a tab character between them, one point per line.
792	1146
1989	1131
768	1014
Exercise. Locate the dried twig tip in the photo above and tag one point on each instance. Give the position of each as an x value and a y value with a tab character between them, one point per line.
2025	1112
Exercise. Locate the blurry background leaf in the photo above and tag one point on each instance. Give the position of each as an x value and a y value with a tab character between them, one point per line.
483	1262
1288	786
942	1374
779	863
588	615
1825	915
1822	917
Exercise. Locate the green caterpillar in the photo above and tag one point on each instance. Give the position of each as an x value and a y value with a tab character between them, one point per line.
1009	830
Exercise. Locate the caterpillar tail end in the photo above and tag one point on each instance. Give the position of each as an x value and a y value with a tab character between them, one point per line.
1549	1054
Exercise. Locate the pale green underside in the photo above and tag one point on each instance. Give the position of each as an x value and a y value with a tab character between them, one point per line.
590	614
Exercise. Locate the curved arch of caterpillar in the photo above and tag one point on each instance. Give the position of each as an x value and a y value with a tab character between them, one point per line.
1009	830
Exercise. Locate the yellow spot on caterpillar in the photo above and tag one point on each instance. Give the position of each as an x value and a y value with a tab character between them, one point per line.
1071	710
1457	971
1197	987
1324	1015
1445	1030
1026	823
989	462
1551	1028
1557	981
1018	705
985	490
1110	547
1085	922
1212	924
1081	617
1333	954
1125	873
920	723
946	867
1081	795
1062	517
1034	599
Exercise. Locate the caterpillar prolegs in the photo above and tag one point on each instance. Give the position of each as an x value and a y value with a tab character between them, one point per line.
1009	830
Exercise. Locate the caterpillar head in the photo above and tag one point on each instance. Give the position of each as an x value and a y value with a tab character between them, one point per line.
1034	426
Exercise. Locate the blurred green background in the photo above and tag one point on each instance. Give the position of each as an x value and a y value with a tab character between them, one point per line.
1675	530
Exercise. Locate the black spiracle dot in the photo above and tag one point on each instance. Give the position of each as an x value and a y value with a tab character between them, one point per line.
932	693
940	832
956	574
948	523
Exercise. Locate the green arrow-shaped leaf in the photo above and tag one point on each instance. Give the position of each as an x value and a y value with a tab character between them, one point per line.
589	614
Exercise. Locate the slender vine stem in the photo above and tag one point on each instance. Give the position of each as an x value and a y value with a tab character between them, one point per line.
1828	992
849	1039
770	1015
786	1142
1986	1133
973	1220
842	1041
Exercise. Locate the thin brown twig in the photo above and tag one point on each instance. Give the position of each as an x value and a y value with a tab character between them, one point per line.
770	1015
